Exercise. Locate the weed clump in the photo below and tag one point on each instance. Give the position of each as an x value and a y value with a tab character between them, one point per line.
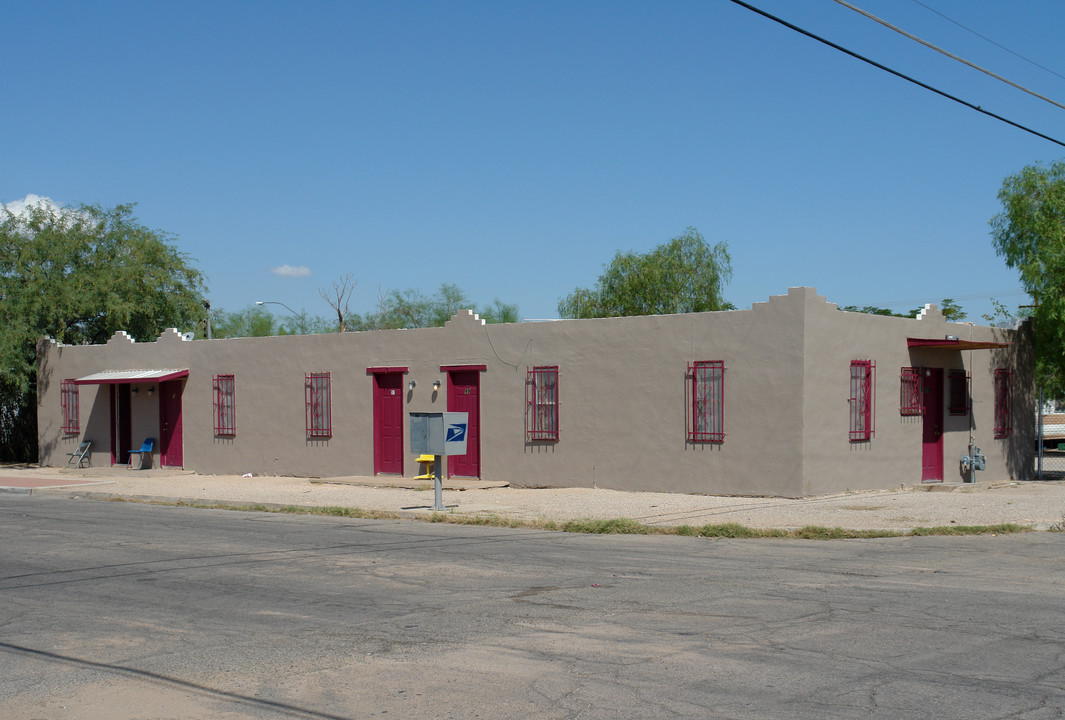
613	526
728	530
1003	529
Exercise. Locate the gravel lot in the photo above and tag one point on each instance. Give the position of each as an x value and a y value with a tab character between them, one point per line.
1037	503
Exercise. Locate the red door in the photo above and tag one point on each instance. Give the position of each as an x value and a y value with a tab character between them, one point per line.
388	423
462	396
932	445
170	454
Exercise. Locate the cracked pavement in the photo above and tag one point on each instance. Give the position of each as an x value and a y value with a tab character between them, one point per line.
134	611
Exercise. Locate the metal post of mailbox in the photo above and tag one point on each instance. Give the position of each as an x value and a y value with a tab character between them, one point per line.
438	484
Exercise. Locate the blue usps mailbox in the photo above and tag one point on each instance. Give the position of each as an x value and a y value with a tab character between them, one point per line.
438	434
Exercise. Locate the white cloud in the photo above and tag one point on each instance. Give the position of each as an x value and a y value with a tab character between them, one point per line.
21	208
18	207
292	271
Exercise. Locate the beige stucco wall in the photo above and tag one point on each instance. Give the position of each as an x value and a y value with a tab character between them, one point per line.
893	456
60	362
622	392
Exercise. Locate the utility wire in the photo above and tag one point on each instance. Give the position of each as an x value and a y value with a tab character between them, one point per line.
956	298
952	56
984	37
896	73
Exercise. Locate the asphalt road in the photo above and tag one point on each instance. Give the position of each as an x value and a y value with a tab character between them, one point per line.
111	610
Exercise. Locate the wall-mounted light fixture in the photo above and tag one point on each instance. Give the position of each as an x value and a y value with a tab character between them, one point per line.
436	385
411	385
151	390
133	390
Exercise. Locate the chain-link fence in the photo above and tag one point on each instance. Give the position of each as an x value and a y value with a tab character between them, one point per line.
1050	462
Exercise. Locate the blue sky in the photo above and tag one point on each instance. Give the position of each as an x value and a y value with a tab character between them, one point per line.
513	148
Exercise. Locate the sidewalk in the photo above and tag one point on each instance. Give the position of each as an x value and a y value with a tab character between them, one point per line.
1037	503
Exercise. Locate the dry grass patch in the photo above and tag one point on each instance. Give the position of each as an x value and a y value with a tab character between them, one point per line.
618	526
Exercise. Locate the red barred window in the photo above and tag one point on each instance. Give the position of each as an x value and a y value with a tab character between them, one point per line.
1003	403
959	392
910	392
706	380
225	405
68	400
541	403
862	400
319	405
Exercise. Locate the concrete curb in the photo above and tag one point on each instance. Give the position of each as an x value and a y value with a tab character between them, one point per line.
234	504
30	490
954	487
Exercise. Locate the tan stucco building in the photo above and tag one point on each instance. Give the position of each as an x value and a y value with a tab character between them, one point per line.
789	398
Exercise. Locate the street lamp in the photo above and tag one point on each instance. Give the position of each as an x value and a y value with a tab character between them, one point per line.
302	316
275	302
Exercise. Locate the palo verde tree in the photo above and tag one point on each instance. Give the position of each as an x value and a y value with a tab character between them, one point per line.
412	309
499	312
78	275
252	321
684	275
257	321
396	310
1029	234
951	310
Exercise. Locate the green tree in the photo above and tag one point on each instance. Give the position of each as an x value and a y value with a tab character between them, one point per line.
951	310
448	300
257	321
252	321
1029	234
406	309
412	309
873	310
499	312
684	275
304	324
78	275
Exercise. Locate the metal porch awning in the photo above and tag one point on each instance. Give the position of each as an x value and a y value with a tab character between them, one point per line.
953	344
128	377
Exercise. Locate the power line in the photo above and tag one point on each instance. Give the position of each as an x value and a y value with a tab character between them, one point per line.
951	55
955	298
984	37
896	73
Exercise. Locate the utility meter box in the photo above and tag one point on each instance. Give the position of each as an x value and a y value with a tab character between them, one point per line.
438	433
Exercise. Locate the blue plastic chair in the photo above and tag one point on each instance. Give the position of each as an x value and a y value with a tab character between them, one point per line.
145	448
